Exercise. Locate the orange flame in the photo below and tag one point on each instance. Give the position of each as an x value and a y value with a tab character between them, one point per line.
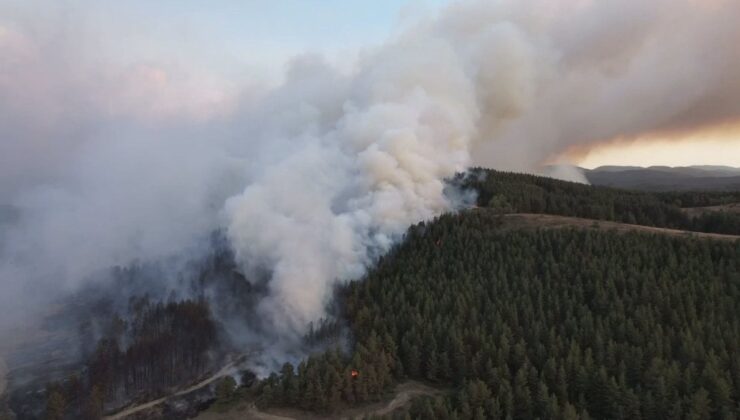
354	373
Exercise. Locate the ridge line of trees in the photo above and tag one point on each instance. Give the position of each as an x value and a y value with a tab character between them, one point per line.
508	192
556	324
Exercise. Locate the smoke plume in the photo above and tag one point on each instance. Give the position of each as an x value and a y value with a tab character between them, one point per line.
313	179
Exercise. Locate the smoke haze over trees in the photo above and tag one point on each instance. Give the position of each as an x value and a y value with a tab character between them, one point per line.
559	323
437	306
312	180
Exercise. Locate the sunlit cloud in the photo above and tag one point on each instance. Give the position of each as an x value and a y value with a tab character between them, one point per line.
696	150
717	146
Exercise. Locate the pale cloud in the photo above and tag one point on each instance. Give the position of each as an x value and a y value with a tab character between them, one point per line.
656	151
616	69
59	94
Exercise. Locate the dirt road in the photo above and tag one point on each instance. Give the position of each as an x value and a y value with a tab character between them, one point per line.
404	393
250	412
525	220
135	409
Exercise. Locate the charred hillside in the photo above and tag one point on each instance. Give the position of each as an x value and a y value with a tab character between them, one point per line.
142	332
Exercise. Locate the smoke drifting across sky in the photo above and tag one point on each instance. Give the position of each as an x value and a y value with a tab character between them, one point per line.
110	163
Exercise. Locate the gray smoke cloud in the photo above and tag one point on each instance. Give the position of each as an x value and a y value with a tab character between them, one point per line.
593	71
313	179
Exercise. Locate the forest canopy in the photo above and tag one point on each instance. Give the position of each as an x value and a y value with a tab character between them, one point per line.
563	323
507	192
547	323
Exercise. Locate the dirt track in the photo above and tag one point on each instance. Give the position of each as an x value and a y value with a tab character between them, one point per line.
698	211
135	409
527	220
404	393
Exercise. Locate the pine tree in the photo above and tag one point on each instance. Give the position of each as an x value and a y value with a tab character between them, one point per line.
56	406
94	407
700	407
225	389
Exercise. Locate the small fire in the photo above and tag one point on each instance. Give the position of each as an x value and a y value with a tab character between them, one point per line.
354	373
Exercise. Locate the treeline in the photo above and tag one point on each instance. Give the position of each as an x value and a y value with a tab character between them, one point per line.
507	192
699	198
716	222
159	341
326	382
162	346
537	324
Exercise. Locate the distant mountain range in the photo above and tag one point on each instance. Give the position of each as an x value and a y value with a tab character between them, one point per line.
664	178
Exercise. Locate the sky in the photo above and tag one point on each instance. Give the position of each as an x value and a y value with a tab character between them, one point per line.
256	38
146	60
661	152
252	40
247	38
71	69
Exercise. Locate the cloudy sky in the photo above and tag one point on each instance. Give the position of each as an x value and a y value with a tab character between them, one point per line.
70	67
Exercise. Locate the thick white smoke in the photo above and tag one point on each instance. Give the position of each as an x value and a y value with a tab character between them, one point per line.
350	187
313	179
519	81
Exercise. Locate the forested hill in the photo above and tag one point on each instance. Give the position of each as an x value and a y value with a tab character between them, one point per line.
506	192
512	316
552	323
662	178
538	322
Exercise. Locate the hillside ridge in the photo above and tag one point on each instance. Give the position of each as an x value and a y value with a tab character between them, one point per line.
541	220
